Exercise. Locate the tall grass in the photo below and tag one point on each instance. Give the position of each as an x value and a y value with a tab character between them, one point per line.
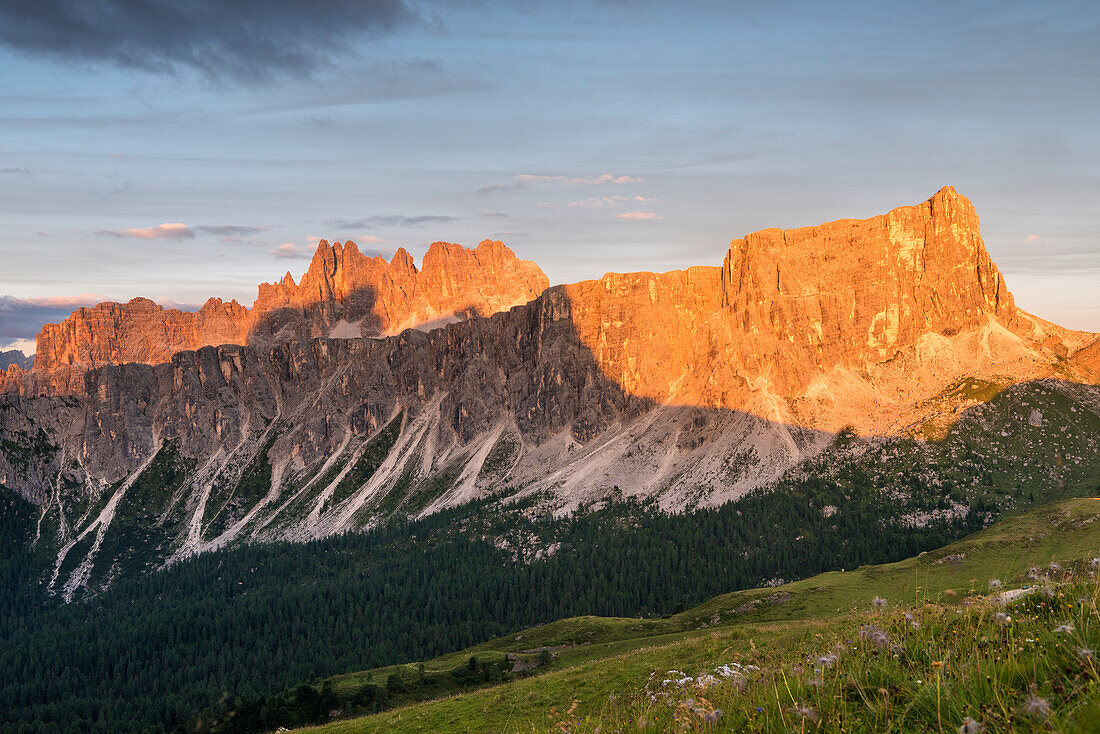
966	661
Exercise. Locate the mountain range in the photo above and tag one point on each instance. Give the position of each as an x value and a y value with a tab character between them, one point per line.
373	390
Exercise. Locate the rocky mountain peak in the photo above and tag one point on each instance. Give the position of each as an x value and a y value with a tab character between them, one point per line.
343	293
402	262
857	290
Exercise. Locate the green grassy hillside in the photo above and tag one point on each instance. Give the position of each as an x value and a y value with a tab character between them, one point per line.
880	671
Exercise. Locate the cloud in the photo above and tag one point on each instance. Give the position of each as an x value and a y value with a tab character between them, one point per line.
595	202
242	40
289	251
166	231
22	318
1034	239
180	231
179	306
227	230
493	215
16	171
527	180
422	220
638	216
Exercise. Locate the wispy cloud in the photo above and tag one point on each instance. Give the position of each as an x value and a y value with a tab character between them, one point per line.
178	305
289	251
638	216
595	202
421	220
228	230
16	171
166	231
242	40
527	180
180	231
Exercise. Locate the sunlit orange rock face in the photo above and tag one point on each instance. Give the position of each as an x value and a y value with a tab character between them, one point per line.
138	331
343	294
373	297
852	312
854	292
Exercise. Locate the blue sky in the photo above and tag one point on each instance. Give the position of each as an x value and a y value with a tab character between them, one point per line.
590	137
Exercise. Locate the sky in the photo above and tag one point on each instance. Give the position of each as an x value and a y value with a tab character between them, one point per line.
183	149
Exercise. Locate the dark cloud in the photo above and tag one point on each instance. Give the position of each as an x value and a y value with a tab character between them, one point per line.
493	215
22	318
16	171
422	220
243	40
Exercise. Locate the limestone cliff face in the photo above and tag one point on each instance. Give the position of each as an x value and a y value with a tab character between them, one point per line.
372	297
342	294
854	292
138	331
787	308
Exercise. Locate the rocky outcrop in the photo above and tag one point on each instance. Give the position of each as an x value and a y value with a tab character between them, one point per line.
343	294
137	331
855	292
829	311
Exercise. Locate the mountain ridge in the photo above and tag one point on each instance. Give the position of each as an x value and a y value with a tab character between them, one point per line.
343	293
689	388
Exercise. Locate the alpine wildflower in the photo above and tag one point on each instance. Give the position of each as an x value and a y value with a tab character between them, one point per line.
805	713
1036	707
878	602
1066	628
969	726
871	634
1086	654
995	585
1001	618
